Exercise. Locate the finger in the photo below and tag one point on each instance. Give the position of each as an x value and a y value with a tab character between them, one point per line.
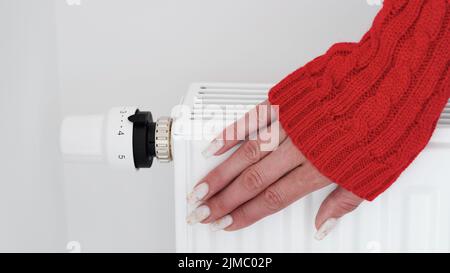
298	183
337	204
249	153
254	180
257	118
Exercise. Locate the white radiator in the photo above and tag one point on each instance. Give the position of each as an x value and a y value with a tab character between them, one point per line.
413	215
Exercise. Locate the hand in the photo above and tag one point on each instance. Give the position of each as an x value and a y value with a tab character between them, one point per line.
254	182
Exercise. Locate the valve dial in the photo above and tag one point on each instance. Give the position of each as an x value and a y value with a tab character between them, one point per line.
124	137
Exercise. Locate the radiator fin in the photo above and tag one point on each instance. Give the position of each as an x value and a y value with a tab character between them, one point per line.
229	102
226	102
445	116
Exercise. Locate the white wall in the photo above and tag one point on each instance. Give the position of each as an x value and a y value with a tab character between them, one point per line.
32	212
141	52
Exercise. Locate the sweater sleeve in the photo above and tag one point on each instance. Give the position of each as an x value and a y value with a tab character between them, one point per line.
363	111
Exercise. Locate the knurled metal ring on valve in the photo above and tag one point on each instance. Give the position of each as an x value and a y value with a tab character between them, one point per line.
163	139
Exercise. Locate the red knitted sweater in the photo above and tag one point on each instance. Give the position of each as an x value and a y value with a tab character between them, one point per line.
363	111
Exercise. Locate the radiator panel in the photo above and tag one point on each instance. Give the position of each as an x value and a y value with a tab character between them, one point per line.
413	215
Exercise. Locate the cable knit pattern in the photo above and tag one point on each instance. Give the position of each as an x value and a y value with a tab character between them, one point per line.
363	111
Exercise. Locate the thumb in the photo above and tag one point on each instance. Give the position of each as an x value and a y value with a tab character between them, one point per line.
337	204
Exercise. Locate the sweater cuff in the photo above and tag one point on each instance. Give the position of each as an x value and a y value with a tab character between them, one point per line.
363	111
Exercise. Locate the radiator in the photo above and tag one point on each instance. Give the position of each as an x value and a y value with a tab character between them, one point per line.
413	215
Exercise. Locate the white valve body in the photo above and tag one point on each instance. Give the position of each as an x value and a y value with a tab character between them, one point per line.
100	138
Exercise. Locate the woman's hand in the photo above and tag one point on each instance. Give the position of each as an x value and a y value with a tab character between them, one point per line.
258	179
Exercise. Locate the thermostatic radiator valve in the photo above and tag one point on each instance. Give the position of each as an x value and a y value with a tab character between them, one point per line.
124	137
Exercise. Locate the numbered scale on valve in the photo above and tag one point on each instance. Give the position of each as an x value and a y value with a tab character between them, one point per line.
124	137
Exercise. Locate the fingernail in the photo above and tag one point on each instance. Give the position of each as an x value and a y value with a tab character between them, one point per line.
198	193
222	223
213	148
198	215
325	228
194	205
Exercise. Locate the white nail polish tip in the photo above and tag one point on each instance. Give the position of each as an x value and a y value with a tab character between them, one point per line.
198	215
198	193
194	205
213	148
325	228
222	223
